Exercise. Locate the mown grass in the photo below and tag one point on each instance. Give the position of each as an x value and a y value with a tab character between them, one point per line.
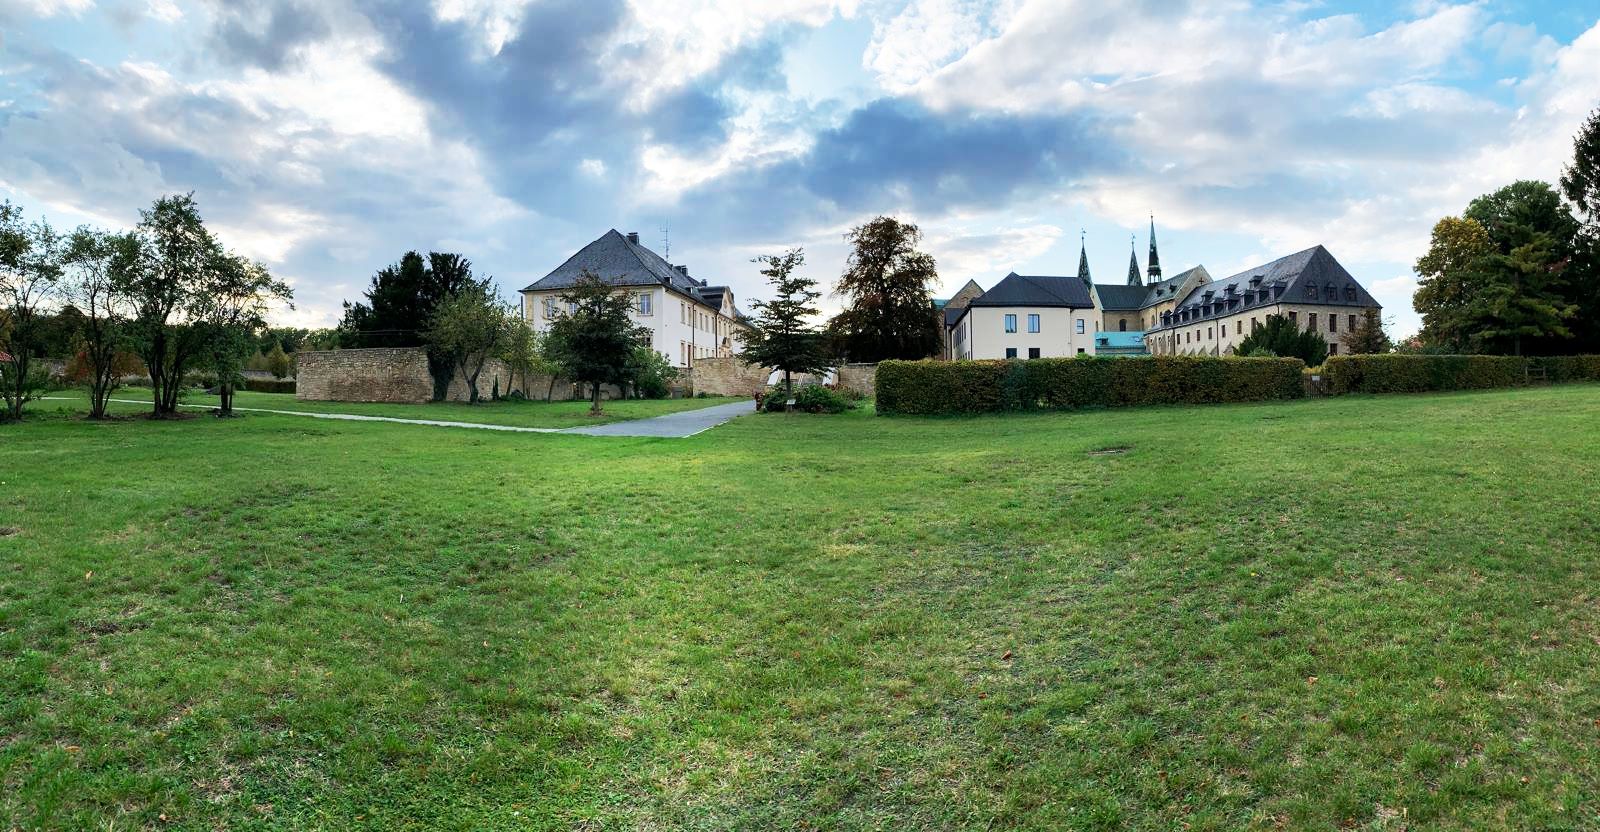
1371	613
535	414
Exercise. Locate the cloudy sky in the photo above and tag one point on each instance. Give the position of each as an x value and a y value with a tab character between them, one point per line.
327	137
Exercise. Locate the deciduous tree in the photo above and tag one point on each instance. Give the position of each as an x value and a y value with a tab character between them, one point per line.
400	304
888	285
30	281
231	309
102	335
593	343
783	337
467	329
1580	183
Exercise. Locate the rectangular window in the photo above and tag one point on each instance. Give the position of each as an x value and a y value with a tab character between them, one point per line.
1079	326
1033	324
644	303
1210	333
1238	327
1333	323
1033	352
683	312
1254	324
1311	321
1294	317
1011	326
1011	352
1333	349
1352	324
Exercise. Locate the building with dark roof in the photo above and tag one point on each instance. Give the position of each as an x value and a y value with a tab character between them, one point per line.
688	318
1310	288
949	311
1026	316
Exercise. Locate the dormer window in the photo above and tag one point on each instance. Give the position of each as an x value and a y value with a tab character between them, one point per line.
1350	292
1311	290
1255	281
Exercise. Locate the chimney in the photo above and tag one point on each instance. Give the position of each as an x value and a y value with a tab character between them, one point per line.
633	237
683	270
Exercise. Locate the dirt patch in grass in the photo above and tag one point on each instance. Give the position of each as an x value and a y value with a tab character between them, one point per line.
7	531
1111	450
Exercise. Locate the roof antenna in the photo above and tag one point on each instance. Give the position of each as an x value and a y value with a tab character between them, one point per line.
666	242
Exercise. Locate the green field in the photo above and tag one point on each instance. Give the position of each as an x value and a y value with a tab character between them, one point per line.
1366	613
536	414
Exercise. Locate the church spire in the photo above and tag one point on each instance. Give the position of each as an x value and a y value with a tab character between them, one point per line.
1155	259
1133	261
1083	258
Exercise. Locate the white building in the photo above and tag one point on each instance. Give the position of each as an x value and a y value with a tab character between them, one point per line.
688	318
1037	316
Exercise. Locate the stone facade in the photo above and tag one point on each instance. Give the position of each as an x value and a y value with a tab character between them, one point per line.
727	377
396	375
1221	335
861	378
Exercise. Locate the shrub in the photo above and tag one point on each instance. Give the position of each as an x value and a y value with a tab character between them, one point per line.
952	387
269	385
815	398
1396	373
1568	367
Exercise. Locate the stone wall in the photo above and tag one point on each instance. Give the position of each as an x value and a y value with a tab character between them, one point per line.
727	377
861	378
401	375
372	375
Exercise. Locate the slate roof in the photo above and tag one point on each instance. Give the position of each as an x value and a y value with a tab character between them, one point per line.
953	314
1162	290
620	263
1115	297
1037	290
1288	279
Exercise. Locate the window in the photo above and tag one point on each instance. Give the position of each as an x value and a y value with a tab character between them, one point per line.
1122	325
550	308
1011	352
1294	317
1333	323
683	312
1033	352
1311	290
1080	350
1333	349
1079	326
1210	333
644	303
1254	324
1352	324
1311	321
1033	323
1011	326
1350	293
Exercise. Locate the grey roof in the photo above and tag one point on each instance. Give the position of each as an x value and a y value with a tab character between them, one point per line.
1162	290
1037	290
953	314
620	263
1290	279
1116	296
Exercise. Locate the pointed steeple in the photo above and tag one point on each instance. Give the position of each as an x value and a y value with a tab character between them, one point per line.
1155	258
1133	261
1083	259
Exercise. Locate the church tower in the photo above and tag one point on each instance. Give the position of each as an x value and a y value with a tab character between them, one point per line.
1083	259
1155	258
1133	261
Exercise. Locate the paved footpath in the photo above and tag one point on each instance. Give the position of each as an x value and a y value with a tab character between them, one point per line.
671	426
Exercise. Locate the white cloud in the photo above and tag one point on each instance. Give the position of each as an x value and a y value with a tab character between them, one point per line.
165	11
44	8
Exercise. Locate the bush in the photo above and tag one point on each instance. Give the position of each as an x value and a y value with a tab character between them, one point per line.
810	398
1395	373
1568	367
949	387
269	385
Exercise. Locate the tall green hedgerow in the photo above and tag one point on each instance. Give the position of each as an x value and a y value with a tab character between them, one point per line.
955	387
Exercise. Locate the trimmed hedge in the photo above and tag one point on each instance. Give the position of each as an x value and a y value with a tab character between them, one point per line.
1428	373
269	385
951	387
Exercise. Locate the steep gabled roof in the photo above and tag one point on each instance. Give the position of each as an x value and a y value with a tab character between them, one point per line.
1116	297
619	262
1315	267
1037	290
1163	290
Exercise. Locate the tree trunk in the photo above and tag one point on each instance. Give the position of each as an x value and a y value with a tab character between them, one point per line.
594	406
550	391
225	393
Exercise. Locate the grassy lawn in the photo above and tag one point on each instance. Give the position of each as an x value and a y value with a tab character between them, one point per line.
534	414
1369	613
